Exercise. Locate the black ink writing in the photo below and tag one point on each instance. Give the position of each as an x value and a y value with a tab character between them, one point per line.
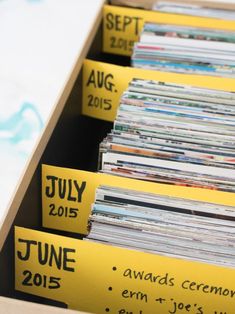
123	23
160	300
39	280
123	311
63	211
65	188
99	102
48	254
99	79
205	288
142	275
177	307
140	296
185	307
121	43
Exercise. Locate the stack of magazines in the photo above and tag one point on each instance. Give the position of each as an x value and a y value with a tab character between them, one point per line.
164	225
227	12
169	5
184	49
175	134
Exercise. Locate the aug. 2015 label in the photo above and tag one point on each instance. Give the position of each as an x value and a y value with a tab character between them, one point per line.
104	83
100	90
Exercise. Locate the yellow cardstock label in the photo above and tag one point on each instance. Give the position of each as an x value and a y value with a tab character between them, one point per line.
67	195
103	279
103	85
122	26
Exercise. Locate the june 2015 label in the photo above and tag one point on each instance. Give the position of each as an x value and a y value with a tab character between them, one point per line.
101	279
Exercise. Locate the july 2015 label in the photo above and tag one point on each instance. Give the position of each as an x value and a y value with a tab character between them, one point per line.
67	195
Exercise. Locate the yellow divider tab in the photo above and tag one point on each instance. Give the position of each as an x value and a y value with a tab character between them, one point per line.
103	279
67	195
104	83
122	26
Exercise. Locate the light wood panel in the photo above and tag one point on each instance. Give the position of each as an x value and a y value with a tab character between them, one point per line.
12	306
